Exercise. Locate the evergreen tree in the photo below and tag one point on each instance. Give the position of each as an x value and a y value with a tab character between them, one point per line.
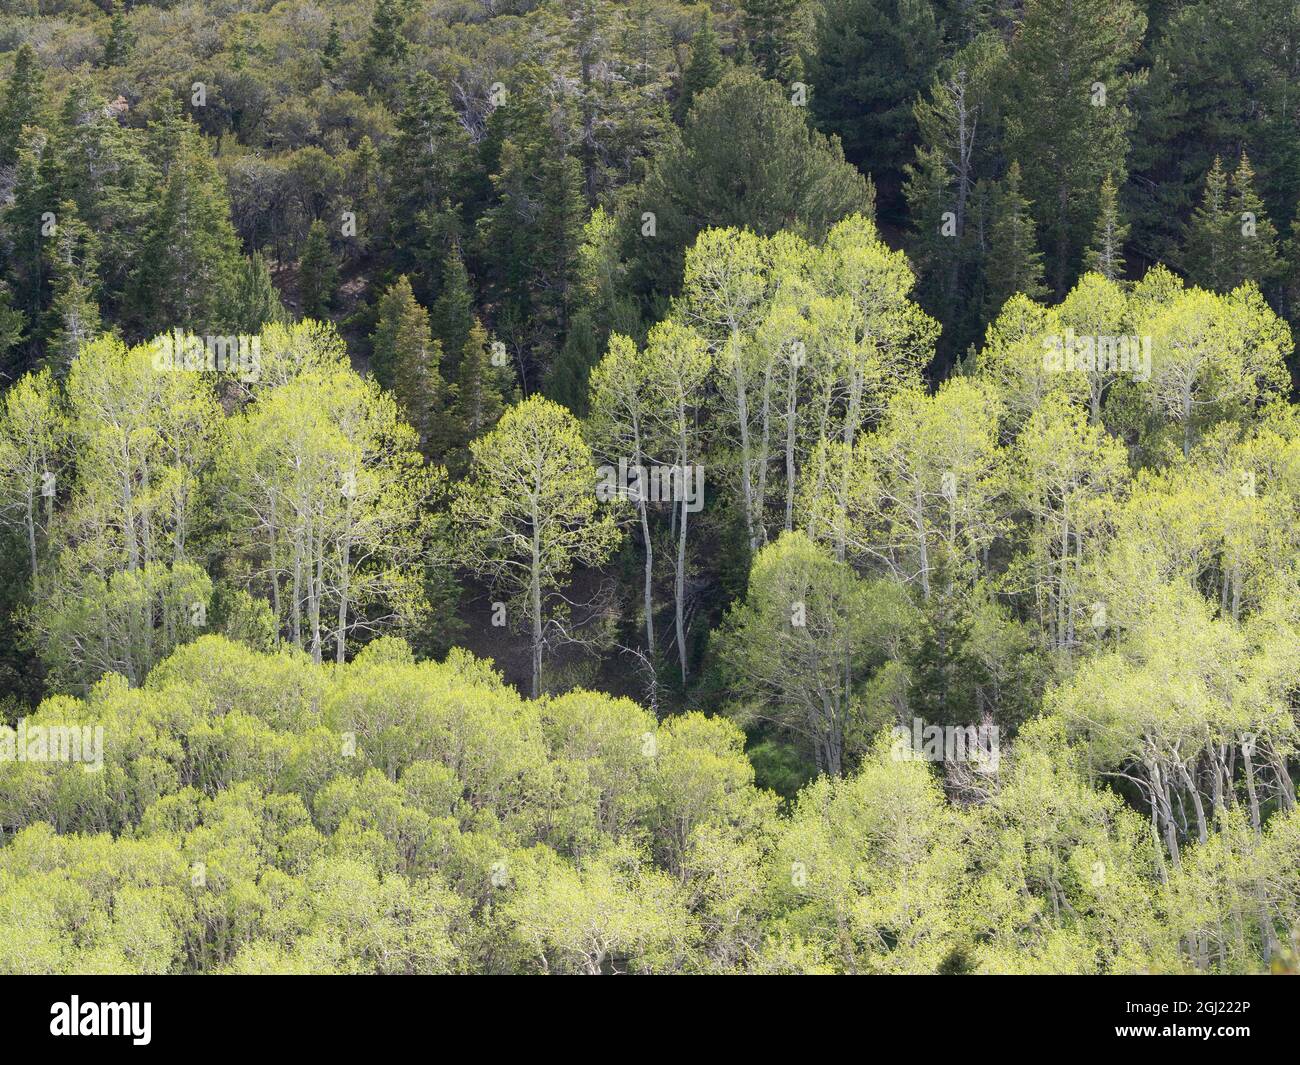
121	38
12	324
704	69
74	314
405	359
481	391
29	222
777	32
531	235
1256	252
387	48
191	259
257	303
745	158
1105	254
1015	263
1067	115
24	100
872	59
317	273
567	381
105	172
1207	247
452	316
332	52
427	163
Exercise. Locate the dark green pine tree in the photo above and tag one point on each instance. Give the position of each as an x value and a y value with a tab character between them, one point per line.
704	69
29	223
1105	254
1208	258
1067	117
405	359
567	381
1014	262
872	59
318	273
452	316
257	303
777	32
12	324
1255	246
191	257
73	317
332	52
427	163
531	234
745	157
105	172
121	38
387	48
480	395
23	102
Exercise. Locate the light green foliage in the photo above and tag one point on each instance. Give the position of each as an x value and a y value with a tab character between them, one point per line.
528	511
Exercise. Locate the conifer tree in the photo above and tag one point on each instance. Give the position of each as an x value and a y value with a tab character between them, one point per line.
121	38
257	303
74	314
1208	246
1256	257
24	98
452	315
387	48
704	69
481	391
332	52
406	360
427	163
317	273
1015	263
1105	254
191	257
1067	115
777	32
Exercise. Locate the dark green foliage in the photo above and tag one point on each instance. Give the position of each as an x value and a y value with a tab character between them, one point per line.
317	273
746	157
871	60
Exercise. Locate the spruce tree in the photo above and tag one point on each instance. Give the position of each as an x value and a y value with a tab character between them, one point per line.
427	163
12	324
1105	254
481	391
191	256
317	273
121	38
23	102
27	225
386	46
74	313
871	61
531	235
704	69
405	359
332	51
452	315
257	303
777	32
1067	115
567	381
1208	257
1255	244
1015	263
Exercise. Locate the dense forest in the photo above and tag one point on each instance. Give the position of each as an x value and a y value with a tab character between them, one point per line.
784	486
